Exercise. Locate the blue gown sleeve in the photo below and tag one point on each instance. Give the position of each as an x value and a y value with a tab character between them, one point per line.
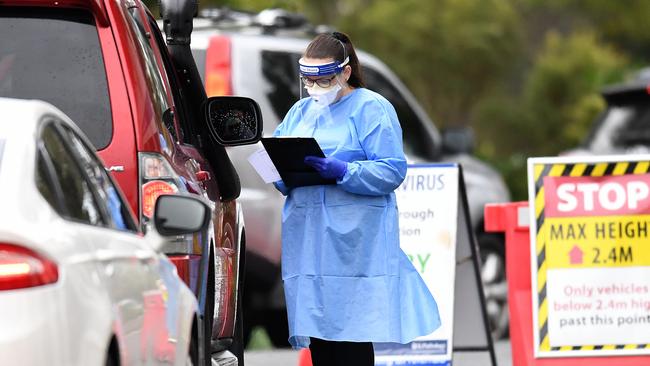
380	136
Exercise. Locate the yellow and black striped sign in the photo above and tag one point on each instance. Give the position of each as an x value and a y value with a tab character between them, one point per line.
539	169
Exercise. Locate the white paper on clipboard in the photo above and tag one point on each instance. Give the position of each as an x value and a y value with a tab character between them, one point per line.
263	165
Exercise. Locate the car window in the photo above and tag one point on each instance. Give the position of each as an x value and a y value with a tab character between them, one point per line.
109	199
622	126
280	70
155	81
199	58
182	117
54	55
45	184
78	199
416	140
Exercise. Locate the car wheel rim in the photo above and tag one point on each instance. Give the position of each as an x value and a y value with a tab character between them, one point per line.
496	292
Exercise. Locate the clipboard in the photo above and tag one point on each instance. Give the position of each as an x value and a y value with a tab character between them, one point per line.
288	156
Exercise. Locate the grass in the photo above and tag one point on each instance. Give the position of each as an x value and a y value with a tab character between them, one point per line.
259	340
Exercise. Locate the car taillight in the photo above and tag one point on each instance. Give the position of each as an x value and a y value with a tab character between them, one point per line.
22	268
218	67
150	193
156	178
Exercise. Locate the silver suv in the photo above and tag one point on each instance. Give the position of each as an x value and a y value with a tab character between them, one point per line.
257	55
624	126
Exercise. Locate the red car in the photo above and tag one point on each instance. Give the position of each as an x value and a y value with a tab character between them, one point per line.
138	96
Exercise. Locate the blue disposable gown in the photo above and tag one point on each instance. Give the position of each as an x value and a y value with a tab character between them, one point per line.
345	275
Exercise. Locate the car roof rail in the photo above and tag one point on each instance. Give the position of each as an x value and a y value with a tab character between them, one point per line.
268	21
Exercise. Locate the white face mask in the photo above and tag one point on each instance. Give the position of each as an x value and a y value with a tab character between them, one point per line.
323	96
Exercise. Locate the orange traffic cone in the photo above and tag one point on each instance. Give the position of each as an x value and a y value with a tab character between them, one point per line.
304	357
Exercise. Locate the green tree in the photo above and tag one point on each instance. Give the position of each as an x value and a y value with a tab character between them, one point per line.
562	88
451	53
622	23
559	102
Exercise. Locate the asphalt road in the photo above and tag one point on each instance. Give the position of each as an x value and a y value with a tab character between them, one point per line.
284	357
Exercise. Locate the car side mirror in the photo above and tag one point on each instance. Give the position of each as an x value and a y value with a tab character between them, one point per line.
180	215
458	140
234	121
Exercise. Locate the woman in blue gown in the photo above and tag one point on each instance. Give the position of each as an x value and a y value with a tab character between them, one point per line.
347	282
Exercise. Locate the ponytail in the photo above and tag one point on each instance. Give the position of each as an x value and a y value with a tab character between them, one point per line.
356	78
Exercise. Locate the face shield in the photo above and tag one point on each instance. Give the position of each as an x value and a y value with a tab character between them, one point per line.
320	86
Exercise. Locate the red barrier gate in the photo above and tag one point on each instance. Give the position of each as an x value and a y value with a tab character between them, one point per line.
513	220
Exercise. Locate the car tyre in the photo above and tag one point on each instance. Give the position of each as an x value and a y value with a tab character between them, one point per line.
193	349
112	357
113	354
237	347
248	325
209	312
493	276
110	360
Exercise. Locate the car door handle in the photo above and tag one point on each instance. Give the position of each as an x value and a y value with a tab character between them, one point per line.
104	255
109	270
143	256
105	258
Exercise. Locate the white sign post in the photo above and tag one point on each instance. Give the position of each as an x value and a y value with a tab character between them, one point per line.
428	209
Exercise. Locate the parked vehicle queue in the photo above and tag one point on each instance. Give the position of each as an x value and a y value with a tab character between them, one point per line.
138	97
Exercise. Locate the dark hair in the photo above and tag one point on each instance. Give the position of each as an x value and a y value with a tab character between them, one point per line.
328	45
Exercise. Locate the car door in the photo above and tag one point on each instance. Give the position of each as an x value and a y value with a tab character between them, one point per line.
195	159
85	298
126	264
158	328
186	160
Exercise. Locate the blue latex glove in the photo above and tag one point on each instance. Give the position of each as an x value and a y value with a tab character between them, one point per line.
329	168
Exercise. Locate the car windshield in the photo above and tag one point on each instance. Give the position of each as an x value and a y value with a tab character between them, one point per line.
54	55
622	127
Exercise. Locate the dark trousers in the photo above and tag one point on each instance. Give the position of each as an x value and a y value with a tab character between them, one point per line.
332	353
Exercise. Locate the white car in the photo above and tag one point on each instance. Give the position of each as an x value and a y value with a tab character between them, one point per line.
79	285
